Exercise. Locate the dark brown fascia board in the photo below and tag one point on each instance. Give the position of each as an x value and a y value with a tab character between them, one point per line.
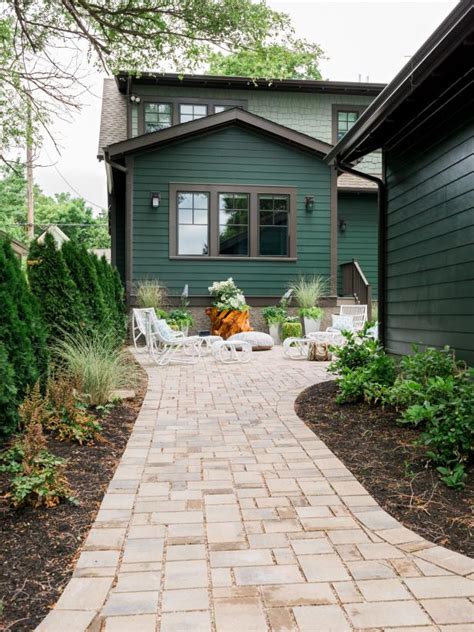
446	38
215	121
247	83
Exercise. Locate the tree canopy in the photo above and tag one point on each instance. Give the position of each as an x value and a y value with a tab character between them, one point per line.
72	214
297	59
43	45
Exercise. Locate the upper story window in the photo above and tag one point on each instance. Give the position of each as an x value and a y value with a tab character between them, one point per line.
222	108
345	120
228	221
191	112
157	116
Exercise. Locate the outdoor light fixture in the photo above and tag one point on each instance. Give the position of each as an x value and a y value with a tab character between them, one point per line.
155	199
134	98
309	203
342	225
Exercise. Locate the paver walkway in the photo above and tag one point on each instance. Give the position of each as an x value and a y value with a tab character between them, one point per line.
228	514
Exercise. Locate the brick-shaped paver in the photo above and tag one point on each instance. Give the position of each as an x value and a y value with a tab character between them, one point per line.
227	513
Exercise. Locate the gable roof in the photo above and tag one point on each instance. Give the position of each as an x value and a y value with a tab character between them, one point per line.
113	116
217	121
418	90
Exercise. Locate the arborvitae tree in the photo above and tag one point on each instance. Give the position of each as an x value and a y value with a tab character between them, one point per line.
112	292
84	274
8	396
60	301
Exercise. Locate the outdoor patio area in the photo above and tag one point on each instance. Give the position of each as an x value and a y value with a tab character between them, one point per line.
227	513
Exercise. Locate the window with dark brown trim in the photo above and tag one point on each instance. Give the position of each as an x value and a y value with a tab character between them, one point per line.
157	116
343	118
232	221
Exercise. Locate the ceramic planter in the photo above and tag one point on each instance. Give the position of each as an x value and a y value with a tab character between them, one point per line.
275	333
311	325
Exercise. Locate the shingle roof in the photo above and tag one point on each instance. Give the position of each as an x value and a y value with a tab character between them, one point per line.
349	182
113	118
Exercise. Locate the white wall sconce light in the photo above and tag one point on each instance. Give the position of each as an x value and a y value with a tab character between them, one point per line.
155	199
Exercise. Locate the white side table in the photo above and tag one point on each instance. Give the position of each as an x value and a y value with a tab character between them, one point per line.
232	351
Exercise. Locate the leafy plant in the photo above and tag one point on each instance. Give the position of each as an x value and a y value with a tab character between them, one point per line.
228	296
454	477
274	314
362	367
309	290
95	366
68	417
291	330
181	318
151	293
314	313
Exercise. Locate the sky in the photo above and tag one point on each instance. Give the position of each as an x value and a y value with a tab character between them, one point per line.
367	41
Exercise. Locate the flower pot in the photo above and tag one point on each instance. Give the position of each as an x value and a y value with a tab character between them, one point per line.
275	333
185	330
311	325
228	322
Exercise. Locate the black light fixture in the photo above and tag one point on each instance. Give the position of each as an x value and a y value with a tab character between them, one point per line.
342	225
155	199
309	203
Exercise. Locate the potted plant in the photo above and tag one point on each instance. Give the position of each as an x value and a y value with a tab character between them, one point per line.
180	319
291	328
229	313
274	316
308	291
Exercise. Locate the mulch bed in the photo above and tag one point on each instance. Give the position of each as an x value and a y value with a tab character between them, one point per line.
380	454
39	547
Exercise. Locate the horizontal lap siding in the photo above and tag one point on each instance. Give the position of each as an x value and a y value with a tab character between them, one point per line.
229	156
360	240
430	237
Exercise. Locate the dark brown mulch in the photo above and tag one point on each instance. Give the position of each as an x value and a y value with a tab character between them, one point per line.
39	546
380	454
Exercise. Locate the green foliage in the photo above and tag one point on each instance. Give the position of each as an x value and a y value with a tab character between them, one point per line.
275	314
296	59
61	209
60	302
95	365
113	294
362	367
316	313
23	359
150	293
181	318
309	290
291	330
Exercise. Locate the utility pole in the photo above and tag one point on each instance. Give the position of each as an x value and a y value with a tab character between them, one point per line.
30	202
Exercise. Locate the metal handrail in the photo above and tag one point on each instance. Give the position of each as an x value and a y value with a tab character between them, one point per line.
355	284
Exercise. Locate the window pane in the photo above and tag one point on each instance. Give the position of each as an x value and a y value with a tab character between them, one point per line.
192	240
201	200
200	216
274	241
345	120
222	108
227	218
266	217
234	240
188	112
186	109
185	216
266	202
233	224
185	200
157	116
200	111
280	218
281	202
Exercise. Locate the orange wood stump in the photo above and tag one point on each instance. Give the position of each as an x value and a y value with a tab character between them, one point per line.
228	322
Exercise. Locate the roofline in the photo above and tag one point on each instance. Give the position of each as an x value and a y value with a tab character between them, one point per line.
123	80
436	48
216	121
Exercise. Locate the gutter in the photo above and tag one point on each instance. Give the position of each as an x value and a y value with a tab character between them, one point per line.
382	207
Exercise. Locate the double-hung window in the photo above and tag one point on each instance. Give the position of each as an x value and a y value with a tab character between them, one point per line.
157	116
191	112
232	221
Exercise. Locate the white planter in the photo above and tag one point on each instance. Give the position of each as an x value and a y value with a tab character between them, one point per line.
311	325
185	330
275	333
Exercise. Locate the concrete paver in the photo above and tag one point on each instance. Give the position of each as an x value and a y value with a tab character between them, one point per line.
227	513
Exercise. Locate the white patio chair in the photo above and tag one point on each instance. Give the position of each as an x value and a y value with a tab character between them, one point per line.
358	313
232	351
139	327
168	346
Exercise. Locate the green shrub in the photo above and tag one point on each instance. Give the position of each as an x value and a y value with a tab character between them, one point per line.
291	330
274	314
112	291
60	302
362	367
150	294
95	365
180	318
315	313
8	396
309	290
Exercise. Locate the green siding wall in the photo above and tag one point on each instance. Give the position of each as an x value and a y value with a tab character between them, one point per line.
231	155
360	240
430	236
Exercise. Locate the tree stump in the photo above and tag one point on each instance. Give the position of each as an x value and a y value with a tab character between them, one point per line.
228	322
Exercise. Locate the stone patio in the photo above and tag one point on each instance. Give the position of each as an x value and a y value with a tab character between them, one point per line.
227	514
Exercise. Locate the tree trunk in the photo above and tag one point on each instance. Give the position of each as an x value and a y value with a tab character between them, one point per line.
228	322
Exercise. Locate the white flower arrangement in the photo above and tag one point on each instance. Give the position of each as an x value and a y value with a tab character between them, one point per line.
228	296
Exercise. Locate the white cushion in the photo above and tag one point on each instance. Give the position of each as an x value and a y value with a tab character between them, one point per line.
342	323
260	341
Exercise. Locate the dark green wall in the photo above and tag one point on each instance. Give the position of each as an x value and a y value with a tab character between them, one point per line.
231	155
430	236
360	240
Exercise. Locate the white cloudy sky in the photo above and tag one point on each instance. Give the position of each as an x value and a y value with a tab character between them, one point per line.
372	39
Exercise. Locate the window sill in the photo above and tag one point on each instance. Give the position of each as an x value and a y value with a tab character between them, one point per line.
204	258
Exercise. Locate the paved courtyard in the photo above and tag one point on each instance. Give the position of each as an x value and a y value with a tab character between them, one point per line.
227	514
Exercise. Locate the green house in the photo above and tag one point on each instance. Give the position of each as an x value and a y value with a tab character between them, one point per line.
424	123
211	177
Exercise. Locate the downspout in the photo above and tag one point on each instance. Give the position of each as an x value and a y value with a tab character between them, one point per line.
110	165
382	207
